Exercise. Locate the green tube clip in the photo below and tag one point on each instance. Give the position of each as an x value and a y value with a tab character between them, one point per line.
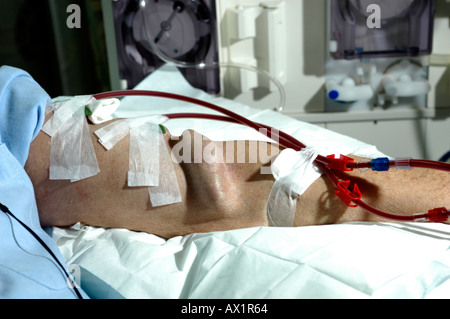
87	111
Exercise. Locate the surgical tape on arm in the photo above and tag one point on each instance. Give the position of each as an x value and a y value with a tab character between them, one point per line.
102	110
167	192
294	172
65	111
150	162
72	154
112	133
143	162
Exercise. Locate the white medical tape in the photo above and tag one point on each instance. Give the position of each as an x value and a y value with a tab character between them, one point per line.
72	154
109	135
294	172
102	110
64	111
144	155
150	162
281	206
168	190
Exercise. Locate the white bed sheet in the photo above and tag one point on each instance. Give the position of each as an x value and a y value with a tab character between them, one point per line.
357	260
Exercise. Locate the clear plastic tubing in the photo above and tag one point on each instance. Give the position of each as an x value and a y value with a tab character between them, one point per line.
401	164
202	65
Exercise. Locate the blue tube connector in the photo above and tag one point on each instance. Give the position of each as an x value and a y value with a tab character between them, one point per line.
380	164
333	94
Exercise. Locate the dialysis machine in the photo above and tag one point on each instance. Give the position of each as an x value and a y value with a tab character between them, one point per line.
377	70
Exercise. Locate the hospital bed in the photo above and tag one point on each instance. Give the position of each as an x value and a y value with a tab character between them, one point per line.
353	260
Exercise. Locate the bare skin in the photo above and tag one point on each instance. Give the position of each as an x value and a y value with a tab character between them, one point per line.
215	196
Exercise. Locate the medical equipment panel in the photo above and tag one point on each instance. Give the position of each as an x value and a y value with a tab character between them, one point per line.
374	53
384	74
371	29
335	63
147	33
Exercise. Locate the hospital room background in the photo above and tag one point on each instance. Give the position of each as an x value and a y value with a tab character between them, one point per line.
364	73
291	41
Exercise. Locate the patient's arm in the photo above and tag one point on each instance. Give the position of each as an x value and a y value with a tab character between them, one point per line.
215	196
404	192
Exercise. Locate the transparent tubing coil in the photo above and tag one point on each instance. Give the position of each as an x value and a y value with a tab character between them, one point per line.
202	65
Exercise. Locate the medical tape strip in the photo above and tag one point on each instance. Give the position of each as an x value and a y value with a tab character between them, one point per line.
102	110
72	155
294	172
168	190
64	111
144	155
150	162
109	135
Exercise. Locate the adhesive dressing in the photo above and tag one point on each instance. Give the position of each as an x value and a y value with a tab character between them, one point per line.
150	162
72	155
294	172
102	111
168	191
144	155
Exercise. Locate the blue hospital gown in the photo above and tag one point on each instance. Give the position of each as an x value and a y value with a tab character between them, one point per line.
27	270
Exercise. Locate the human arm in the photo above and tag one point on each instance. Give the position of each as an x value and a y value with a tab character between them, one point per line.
402	192
215	196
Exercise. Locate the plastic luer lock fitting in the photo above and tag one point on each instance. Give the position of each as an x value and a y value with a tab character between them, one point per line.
438	215
403	163
380	164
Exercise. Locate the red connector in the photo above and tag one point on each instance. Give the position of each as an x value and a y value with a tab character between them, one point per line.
438	215
340	163
347	195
